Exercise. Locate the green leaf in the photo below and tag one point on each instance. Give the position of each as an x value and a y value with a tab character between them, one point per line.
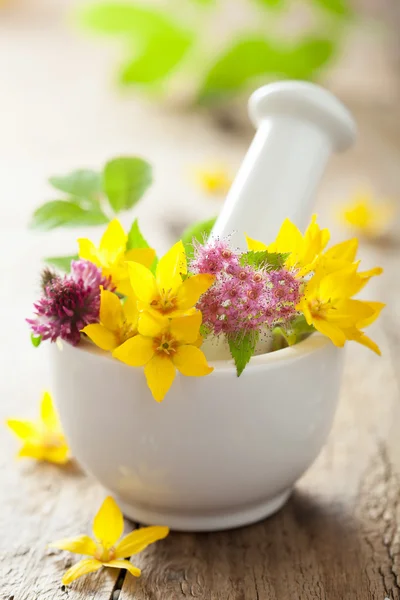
136	240
127	18
340	8
157	58
198	232
159	42
59	213
305	59
243	61
82	183
242	347
125	181
250	59
63	263
294	332
36	340
263	259
274	4
135	237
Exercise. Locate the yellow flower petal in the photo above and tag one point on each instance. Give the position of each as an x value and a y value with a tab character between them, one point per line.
124	284
82	544
171	267
214	180
376	308
136	351
139	539
349	312
123	564
29	450
190	360
289	239
130	311
143	282
255	245
186	329
333	332
144	256
192	288
114	238
344	251
160	374
24	430
87	565
57	455
359	336
367	216
108	524
151	325
48	414
88	251
110	310
102	337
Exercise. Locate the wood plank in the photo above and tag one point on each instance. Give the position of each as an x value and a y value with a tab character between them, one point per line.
41	503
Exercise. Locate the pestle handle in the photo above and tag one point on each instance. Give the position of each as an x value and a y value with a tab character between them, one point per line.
298	125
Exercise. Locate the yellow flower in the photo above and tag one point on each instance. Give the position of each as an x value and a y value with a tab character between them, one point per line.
118	322
105	550
43	439
162	346
366	216
166	293
214	181
328	305
111	255
343	255
303	249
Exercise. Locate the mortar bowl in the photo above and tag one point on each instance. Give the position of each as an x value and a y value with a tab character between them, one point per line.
219	451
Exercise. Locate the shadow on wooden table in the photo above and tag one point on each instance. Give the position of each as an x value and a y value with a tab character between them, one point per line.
307	550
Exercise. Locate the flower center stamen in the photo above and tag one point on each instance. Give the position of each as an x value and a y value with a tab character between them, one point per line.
165	345
166	301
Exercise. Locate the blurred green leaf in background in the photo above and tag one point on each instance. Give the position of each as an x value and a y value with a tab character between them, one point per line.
125	181
93	198
163	44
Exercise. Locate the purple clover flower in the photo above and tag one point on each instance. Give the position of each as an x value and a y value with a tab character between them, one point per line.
70	303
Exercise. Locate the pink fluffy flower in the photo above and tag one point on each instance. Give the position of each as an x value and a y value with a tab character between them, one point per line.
69	303
243	298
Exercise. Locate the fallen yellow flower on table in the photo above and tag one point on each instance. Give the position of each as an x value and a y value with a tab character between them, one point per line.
367	217
167	293
303	249
163	346
42	439
118	322
111	255
214	180
105	550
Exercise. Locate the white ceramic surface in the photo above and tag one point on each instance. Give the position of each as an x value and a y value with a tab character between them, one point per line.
219	452
299	125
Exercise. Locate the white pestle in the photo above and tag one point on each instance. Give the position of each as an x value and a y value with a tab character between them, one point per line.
298	125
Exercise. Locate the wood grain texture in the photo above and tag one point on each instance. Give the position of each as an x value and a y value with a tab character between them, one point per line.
40	504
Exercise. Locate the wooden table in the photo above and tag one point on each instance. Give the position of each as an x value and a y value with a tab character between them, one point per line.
338	536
